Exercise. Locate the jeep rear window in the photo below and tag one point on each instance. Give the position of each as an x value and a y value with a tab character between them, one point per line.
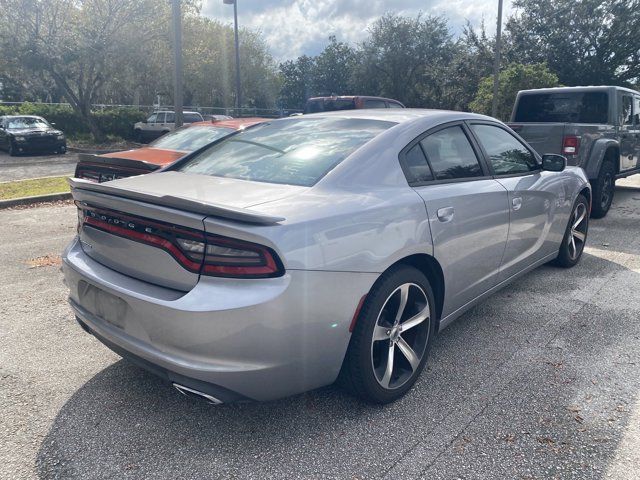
295	151
563	107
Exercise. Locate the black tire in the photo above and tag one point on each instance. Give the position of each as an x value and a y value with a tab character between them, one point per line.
575	236
364	370
12	150
603	189
137	135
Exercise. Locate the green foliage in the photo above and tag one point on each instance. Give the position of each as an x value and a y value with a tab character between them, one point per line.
297	81
513	78
112	121
587	42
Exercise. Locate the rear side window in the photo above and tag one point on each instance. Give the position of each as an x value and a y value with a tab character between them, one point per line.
508	156
450	154
395	105
372	103
328	105
295	151
563	107
171	118
192	117
415	165
160	118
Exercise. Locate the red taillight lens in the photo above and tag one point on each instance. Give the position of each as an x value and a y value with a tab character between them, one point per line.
195	251
570	145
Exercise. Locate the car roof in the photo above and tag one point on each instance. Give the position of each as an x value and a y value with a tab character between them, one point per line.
173	111
590	88
401	115
21	116
353	97
235	123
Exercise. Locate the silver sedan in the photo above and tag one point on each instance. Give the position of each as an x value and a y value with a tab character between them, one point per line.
317	248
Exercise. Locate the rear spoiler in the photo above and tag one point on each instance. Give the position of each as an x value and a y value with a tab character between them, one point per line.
121	162
186	204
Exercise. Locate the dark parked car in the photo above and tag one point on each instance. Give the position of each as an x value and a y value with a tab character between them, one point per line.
330	104
28	133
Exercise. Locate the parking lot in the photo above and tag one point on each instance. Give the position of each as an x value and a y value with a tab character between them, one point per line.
540	381
34	166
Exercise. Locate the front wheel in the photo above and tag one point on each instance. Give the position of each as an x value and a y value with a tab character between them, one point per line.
575	236
392	337
12	150
603	188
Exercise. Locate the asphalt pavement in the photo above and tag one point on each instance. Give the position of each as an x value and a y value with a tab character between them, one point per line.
34	166
540	381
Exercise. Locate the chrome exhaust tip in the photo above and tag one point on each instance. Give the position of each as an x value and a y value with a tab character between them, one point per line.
190	392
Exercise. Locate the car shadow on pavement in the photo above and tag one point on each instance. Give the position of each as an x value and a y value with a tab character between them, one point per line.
538	380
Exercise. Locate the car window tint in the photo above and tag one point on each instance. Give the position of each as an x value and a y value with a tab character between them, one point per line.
636	109
450	154
375	104
160	118
152	118
394	105
563	107
506	153
295	151
191	117
170	118
416	166
189	139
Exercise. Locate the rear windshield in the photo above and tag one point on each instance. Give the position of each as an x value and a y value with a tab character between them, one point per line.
328	105
569	107
190	139
296	151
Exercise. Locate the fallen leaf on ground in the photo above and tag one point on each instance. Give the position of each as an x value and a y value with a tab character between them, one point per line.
45	261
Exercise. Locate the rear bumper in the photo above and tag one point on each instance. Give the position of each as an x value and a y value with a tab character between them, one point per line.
236	339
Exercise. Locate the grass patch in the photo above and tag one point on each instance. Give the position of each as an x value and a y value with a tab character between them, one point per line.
35	186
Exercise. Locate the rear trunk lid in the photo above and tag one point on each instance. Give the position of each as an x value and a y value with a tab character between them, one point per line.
138	225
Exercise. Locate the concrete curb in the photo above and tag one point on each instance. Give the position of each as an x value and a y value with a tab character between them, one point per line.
53	197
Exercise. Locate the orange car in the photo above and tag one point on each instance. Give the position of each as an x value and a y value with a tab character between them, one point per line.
163	151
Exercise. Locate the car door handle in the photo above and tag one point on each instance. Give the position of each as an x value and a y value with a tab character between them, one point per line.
516	203
446	214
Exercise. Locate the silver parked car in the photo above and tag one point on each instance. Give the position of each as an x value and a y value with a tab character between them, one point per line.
318	247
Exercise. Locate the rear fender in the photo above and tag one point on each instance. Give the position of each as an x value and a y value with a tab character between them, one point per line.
597	155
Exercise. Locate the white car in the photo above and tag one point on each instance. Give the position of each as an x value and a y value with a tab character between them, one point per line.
160	123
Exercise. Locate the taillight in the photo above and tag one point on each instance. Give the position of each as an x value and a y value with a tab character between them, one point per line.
570	145
195	251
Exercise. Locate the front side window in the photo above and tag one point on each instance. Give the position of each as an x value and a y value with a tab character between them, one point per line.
508	156
295	151
190	139
450	154
636	109
626	114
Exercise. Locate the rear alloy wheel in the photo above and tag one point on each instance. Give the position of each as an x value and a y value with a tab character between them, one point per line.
575	237
390	343
603	189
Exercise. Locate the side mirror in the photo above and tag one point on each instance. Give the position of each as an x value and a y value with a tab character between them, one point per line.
553	163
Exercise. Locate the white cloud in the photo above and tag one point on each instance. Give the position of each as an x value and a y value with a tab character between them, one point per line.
295	27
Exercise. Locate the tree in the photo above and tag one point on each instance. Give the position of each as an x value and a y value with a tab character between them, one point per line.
76	43
513	78
403	58
333	69
296	77
587	42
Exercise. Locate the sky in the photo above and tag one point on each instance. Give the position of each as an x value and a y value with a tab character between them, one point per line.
295	27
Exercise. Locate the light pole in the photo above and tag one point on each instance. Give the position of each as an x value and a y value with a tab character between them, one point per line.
177	62
235	32
496	63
